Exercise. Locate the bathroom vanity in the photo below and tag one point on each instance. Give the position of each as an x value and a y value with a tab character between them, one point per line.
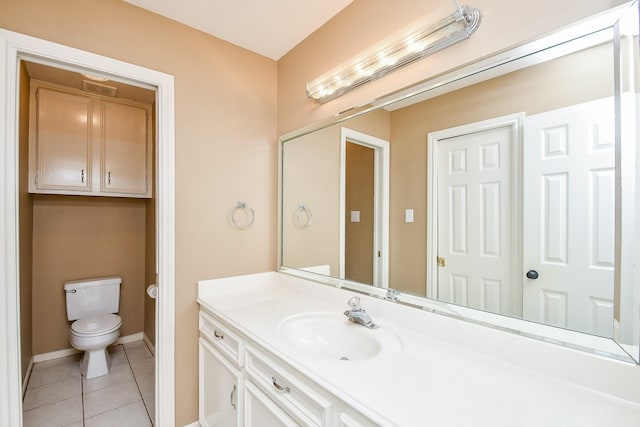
460	286
277	350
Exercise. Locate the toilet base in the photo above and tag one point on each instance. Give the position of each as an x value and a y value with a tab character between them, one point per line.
95	363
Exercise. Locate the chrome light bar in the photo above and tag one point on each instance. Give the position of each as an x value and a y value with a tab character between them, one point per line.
413	47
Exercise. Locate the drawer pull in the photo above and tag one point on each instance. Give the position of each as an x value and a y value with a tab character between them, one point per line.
279	387
217	335
232	397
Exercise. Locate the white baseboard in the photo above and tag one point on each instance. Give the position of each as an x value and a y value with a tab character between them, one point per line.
129	338
71	351
147	341
27	375
54	355
194	424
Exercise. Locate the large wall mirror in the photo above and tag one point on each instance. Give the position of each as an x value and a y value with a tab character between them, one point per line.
503	190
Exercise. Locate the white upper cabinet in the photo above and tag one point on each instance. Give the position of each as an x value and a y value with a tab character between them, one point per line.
125	148
85	144
63	143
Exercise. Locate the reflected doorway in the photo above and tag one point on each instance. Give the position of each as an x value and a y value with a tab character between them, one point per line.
364	208
360	213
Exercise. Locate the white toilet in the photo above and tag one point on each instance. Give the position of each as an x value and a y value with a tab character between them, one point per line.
92	303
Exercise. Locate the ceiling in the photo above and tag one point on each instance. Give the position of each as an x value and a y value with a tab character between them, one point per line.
75	80
268	27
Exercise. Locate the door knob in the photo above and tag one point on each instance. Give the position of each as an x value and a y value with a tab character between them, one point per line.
532	274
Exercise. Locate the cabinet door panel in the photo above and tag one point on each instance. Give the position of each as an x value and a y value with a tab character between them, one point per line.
124	149
64	133
220	389
260	411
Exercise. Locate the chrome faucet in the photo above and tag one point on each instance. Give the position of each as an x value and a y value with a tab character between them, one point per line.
359	315
392	295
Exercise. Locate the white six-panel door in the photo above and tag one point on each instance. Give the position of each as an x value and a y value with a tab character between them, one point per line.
568	217
475	219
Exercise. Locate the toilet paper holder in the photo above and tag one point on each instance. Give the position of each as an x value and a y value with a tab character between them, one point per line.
152	291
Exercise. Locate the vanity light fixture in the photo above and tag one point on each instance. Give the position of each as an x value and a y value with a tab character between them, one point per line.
394	55
95	78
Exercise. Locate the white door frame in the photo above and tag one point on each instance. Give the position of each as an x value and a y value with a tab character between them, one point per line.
515	122
13	48
380	201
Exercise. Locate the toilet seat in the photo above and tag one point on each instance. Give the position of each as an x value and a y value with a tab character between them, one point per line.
96	325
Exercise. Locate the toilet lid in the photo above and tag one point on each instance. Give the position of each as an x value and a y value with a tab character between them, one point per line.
95	325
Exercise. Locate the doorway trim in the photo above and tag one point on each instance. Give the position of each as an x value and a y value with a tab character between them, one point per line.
513	121
13	48
380	201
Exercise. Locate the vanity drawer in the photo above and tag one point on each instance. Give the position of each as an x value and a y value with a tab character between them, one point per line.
223	338
300	397
349	418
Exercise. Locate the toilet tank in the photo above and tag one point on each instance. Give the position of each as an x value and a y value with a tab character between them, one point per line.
91	297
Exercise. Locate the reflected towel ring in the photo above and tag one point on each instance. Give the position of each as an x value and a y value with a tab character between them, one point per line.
243	206
303	209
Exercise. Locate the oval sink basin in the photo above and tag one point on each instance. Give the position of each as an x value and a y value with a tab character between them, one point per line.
330	336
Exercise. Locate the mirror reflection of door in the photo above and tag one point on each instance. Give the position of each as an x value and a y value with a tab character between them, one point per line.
565	276
569	217
360	212
476	261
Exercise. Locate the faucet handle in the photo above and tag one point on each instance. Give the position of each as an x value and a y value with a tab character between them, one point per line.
354	303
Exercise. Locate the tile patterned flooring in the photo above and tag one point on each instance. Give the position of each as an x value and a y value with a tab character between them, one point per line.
57	394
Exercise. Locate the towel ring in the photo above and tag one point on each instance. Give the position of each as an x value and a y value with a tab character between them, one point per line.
303	209
242	206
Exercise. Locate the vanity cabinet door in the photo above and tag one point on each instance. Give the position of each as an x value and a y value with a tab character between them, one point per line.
126	153
220	389
260	411
63	142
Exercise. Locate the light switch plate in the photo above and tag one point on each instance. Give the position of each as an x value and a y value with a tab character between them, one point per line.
355	216
408	215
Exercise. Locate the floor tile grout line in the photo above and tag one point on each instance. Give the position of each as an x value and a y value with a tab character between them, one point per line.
135	378
82	389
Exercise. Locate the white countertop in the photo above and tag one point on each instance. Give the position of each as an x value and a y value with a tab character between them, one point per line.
449	372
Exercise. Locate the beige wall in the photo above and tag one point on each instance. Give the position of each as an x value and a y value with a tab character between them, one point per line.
311	176
225	117
570	80
150	271
150	253
26	227
359	196
77	237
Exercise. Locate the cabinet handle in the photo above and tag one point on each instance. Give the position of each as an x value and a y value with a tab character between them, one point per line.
217	335
232	397
82	176
284	389
109	177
